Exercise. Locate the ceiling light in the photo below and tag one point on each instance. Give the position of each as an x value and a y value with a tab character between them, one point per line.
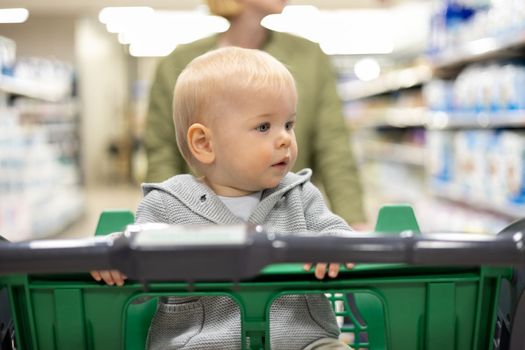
118	14
124	39
337	32
14	15
151	49
302	20
367	69
166	29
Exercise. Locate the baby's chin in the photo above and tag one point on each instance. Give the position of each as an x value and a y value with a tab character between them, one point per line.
264	184
270	184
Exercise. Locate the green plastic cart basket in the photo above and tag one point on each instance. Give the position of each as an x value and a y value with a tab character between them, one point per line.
378	306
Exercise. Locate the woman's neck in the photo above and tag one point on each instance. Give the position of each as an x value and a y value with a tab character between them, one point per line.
245	31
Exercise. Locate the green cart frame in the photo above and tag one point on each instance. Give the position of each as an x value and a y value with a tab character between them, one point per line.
379	306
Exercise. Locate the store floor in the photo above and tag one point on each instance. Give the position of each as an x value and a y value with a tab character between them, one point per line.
99	198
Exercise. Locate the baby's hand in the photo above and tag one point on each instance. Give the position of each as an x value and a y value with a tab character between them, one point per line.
321	269
111	277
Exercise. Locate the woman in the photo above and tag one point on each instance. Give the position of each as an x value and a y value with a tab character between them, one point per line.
322	137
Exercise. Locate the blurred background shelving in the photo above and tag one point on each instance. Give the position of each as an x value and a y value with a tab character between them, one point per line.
433	92
40	165
448	131
477	106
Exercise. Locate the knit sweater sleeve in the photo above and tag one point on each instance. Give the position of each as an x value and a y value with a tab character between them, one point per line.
152	209
318	217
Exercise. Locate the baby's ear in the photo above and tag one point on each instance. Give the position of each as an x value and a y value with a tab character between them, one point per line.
199	142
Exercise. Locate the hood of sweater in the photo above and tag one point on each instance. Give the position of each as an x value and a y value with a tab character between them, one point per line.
198	197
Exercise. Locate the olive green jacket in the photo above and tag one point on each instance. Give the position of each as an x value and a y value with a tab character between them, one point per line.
322	136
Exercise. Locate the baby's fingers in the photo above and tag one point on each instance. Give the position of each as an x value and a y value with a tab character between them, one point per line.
349	265
111	277
333	270
96	275
118	277
320	270
107	277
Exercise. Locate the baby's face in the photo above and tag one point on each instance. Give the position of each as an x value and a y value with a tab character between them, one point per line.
254	141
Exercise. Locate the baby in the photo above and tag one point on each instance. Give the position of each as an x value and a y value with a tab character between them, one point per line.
234	111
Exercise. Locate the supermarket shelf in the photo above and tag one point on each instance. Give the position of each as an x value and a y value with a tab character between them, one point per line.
67	218
66	110
404	117
63	210
34	89
393	153
444	120
453	193
50	219
389	82
482	49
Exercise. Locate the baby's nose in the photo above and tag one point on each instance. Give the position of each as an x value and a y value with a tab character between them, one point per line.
284	139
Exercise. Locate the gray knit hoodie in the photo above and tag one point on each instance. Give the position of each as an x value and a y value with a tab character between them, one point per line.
295	205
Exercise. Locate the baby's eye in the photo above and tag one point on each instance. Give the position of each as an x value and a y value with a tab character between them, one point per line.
263	127
289	125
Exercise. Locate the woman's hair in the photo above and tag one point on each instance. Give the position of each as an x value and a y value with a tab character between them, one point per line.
225	8
218	76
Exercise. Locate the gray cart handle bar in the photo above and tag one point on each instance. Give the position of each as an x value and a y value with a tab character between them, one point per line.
204	253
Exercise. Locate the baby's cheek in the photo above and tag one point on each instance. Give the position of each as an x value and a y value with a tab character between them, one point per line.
294	150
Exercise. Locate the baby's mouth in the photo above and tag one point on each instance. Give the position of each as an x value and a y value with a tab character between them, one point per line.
282	163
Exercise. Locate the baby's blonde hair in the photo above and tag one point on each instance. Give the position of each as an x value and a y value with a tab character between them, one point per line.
219	75
225	8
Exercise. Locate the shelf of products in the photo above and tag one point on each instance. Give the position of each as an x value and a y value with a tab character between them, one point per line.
42	90
392	165
465	32
385	117
458	155
40	177
392	81
510	46
475	120
406	154
398	109
456	193
476	137
484	168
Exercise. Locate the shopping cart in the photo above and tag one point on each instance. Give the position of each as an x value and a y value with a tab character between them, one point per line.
409	291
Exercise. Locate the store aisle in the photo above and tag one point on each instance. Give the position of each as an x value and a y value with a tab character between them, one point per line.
124	196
